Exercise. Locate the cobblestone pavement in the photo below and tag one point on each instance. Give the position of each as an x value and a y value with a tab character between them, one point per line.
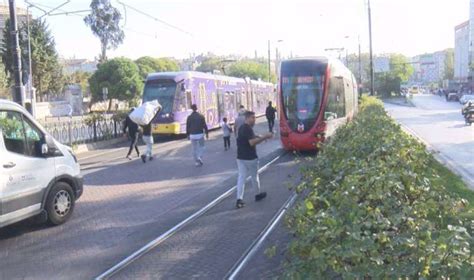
209	247
125	204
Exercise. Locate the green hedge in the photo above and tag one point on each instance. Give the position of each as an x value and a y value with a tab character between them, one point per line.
375	209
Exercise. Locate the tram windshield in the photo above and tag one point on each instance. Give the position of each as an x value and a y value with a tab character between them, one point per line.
162	90
302	84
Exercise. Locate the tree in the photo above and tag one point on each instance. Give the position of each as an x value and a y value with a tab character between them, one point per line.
47	72
449	65
104	22
4	83
251	69
120	76
399	67
209	64
147	65
79	77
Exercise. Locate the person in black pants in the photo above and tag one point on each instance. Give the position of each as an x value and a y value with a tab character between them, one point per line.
270	114
132	134
148	139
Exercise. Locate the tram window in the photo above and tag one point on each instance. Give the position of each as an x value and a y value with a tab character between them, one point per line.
336	100
180	104
348	93
189	98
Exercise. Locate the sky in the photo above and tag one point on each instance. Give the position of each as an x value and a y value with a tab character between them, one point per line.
243	27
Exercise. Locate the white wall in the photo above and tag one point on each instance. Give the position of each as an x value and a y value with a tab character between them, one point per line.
461	53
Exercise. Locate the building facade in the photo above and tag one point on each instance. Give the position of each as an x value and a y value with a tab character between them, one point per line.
461	52
471	44
79	65
432	67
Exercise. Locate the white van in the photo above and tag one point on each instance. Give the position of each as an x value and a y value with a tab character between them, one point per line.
38	175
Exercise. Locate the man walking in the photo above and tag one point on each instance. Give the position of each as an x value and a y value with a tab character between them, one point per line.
240	120
132	135
247	159
270	114
195	129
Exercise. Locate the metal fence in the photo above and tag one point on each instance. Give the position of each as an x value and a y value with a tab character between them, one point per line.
78	131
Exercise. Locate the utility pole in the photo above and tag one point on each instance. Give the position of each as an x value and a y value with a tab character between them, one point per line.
371	53
31	92
19	94
269	63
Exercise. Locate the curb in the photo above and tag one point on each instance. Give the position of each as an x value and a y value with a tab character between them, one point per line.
82	148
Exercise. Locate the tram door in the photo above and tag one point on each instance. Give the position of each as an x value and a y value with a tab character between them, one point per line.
220	103
249	93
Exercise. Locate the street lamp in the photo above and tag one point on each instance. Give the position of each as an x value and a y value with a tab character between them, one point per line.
371	53
278	59
269	59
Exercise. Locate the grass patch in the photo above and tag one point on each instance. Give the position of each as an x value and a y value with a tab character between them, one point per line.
454	185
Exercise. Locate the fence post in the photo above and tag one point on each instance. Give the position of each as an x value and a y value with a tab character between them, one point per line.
95	131
69	128
115	128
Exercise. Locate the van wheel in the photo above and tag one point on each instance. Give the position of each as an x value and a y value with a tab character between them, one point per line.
60	203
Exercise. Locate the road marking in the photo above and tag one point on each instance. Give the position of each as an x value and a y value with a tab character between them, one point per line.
160	239
255	246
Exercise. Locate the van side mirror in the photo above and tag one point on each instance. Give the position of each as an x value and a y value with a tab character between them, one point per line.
48	148
44	149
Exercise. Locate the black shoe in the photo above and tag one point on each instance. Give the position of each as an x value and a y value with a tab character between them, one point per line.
240	203
260	196
150	159
143	158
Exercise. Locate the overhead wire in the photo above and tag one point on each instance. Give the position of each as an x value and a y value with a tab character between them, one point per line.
155	18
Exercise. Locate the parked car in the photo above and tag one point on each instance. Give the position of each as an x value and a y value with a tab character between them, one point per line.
38	175
414	90
452	96
465	98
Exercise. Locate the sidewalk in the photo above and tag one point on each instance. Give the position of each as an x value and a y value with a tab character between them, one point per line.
211	245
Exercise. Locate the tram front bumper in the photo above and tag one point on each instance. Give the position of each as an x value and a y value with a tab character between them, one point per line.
167	128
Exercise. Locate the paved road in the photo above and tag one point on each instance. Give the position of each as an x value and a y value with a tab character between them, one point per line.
125	205
441	125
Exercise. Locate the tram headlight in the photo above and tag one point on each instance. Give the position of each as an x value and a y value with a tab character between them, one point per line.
319	135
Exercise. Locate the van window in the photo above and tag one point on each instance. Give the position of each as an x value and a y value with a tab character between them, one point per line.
19	135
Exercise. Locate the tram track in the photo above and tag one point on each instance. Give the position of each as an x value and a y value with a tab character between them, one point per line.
136	255
256	245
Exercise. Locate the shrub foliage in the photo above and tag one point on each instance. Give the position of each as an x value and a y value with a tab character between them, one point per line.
375	209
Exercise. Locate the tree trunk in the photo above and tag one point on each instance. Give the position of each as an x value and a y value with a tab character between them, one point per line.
103	54
110	105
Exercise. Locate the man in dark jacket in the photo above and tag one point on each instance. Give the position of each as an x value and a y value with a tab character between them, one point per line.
270	114
195	129
132	134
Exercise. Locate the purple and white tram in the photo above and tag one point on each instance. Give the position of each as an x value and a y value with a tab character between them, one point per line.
216	96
